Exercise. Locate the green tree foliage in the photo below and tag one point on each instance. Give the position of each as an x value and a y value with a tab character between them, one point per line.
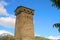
56	3
57	25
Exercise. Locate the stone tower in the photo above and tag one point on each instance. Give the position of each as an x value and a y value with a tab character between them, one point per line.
24	24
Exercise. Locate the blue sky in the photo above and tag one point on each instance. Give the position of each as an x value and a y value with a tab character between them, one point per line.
44	16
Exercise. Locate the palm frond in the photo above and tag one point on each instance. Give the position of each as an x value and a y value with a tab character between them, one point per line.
57	25
59	29
56	3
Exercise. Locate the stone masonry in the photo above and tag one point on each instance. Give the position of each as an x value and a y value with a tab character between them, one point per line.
24	24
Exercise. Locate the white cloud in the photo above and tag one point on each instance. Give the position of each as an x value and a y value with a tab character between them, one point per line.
7	21
3	3
36	35
54	37
4	31
3	10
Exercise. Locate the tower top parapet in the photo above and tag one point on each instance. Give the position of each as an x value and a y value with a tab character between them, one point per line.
23	9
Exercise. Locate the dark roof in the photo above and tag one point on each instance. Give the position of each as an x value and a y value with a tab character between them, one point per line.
24	7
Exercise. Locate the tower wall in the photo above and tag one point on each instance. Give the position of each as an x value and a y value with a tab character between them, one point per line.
24	24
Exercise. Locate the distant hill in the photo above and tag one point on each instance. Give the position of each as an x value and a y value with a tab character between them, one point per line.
6	36
40	38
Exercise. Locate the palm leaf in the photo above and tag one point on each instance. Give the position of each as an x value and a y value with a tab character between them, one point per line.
56	3
57	25
59	29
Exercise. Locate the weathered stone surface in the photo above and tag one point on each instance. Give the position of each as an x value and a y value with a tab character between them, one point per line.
24	24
